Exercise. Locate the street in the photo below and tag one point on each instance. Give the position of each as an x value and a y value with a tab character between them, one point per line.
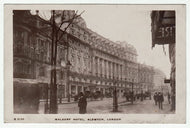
105	107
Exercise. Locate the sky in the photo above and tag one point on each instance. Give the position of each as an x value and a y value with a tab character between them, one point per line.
130	24
126	23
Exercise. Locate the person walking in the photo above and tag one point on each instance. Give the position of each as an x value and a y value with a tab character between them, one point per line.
82	103
160	100
156	98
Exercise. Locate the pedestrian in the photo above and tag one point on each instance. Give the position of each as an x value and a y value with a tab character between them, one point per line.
156	98
82	103
160	100
169	97
142	95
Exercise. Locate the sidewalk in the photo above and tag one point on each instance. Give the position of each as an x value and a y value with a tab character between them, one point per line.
121	101
105	106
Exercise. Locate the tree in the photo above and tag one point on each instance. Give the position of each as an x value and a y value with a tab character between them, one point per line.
57	28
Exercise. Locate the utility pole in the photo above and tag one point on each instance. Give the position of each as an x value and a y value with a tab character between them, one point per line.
53	85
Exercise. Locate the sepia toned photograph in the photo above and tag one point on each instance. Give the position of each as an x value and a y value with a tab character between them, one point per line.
90	61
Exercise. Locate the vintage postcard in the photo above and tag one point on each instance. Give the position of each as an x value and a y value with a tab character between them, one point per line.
95	63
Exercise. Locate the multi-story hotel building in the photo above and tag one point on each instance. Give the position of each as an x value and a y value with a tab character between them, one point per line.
97	63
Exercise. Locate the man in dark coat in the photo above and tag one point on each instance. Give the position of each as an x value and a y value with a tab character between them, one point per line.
156	98
82	103
160	100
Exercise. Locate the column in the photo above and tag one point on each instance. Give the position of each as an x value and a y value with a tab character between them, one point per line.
119	72
100	67
113	70
93	66
125	72
97	64
109	70
105	68
76	89
107	62
116	71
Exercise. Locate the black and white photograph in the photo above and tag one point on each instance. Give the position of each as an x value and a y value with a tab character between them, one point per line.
90	61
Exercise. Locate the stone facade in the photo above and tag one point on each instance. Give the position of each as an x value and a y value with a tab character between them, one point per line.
146	77
97	64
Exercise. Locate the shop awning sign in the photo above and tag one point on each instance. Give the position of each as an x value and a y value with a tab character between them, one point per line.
163	27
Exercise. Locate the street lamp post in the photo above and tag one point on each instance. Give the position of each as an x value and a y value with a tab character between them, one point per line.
46	103
141	93
53	85
115	102
132	95
53	82
68	65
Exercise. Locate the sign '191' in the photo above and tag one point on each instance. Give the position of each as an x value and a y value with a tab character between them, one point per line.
165	32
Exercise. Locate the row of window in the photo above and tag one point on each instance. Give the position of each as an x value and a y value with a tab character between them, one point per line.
81	34
25	44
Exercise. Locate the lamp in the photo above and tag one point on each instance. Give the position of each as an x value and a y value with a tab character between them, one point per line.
115	102
68	65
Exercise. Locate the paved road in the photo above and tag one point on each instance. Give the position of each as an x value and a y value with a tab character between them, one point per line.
105	106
